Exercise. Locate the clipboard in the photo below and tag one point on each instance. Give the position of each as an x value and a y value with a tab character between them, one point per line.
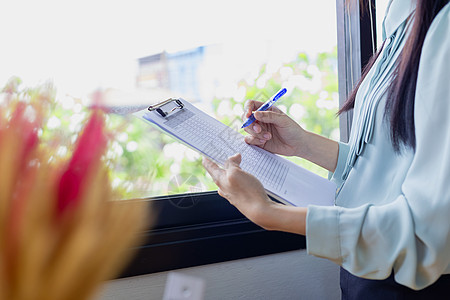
281	178
160	106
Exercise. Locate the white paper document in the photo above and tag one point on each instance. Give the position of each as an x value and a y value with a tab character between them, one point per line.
282	179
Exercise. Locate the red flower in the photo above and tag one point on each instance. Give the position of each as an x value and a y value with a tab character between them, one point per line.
89	149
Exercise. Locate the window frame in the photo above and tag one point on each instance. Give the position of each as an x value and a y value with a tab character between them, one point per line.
356	38
203	228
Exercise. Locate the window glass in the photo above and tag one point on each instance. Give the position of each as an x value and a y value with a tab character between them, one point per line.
214	54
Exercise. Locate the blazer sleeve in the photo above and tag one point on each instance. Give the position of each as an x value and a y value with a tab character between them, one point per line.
336	177
410	235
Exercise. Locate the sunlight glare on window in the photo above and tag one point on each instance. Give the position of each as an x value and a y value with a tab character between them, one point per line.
216	54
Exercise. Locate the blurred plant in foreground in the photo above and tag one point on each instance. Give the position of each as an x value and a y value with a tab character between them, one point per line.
60	233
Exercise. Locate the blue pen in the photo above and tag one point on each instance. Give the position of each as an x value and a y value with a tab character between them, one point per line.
265	106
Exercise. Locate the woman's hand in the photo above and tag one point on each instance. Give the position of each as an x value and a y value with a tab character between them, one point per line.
240	188
247	194
274	131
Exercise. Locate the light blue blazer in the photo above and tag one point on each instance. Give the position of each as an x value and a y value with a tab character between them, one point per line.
392	210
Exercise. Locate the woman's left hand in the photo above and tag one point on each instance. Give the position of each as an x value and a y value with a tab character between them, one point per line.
241	189
247	194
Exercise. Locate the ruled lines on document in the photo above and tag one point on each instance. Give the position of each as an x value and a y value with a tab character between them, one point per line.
220	142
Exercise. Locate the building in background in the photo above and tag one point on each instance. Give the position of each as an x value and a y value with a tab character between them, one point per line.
178	72
206	72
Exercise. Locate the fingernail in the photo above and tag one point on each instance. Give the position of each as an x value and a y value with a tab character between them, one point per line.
266	136
255	127
262	141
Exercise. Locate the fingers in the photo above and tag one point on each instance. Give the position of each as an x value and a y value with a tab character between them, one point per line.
251	106
218	174
214	170
252	140
258	134
233	161
271	117
258	130
254	128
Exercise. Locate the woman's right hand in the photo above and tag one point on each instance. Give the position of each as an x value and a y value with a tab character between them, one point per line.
274	131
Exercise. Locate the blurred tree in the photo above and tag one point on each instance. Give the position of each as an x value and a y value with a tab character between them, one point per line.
145	162
160	165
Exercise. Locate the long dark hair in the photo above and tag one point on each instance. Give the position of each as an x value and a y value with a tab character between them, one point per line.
399	108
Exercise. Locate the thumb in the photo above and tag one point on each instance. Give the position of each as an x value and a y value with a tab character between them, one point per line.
234	161
271	117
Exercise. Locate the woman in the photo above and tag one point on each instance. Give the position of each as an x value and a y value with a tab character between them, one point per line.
389	230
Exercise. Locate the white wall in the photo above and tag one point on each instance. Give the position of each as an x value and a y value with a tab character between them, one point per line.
289	275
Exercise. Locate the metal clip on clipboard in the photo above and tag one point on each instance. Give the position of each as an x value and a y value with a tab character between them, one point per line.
159	107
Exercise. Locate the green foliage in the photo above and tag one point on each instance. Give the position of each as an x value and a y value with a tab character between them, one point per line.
145	162
312	98
160	165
